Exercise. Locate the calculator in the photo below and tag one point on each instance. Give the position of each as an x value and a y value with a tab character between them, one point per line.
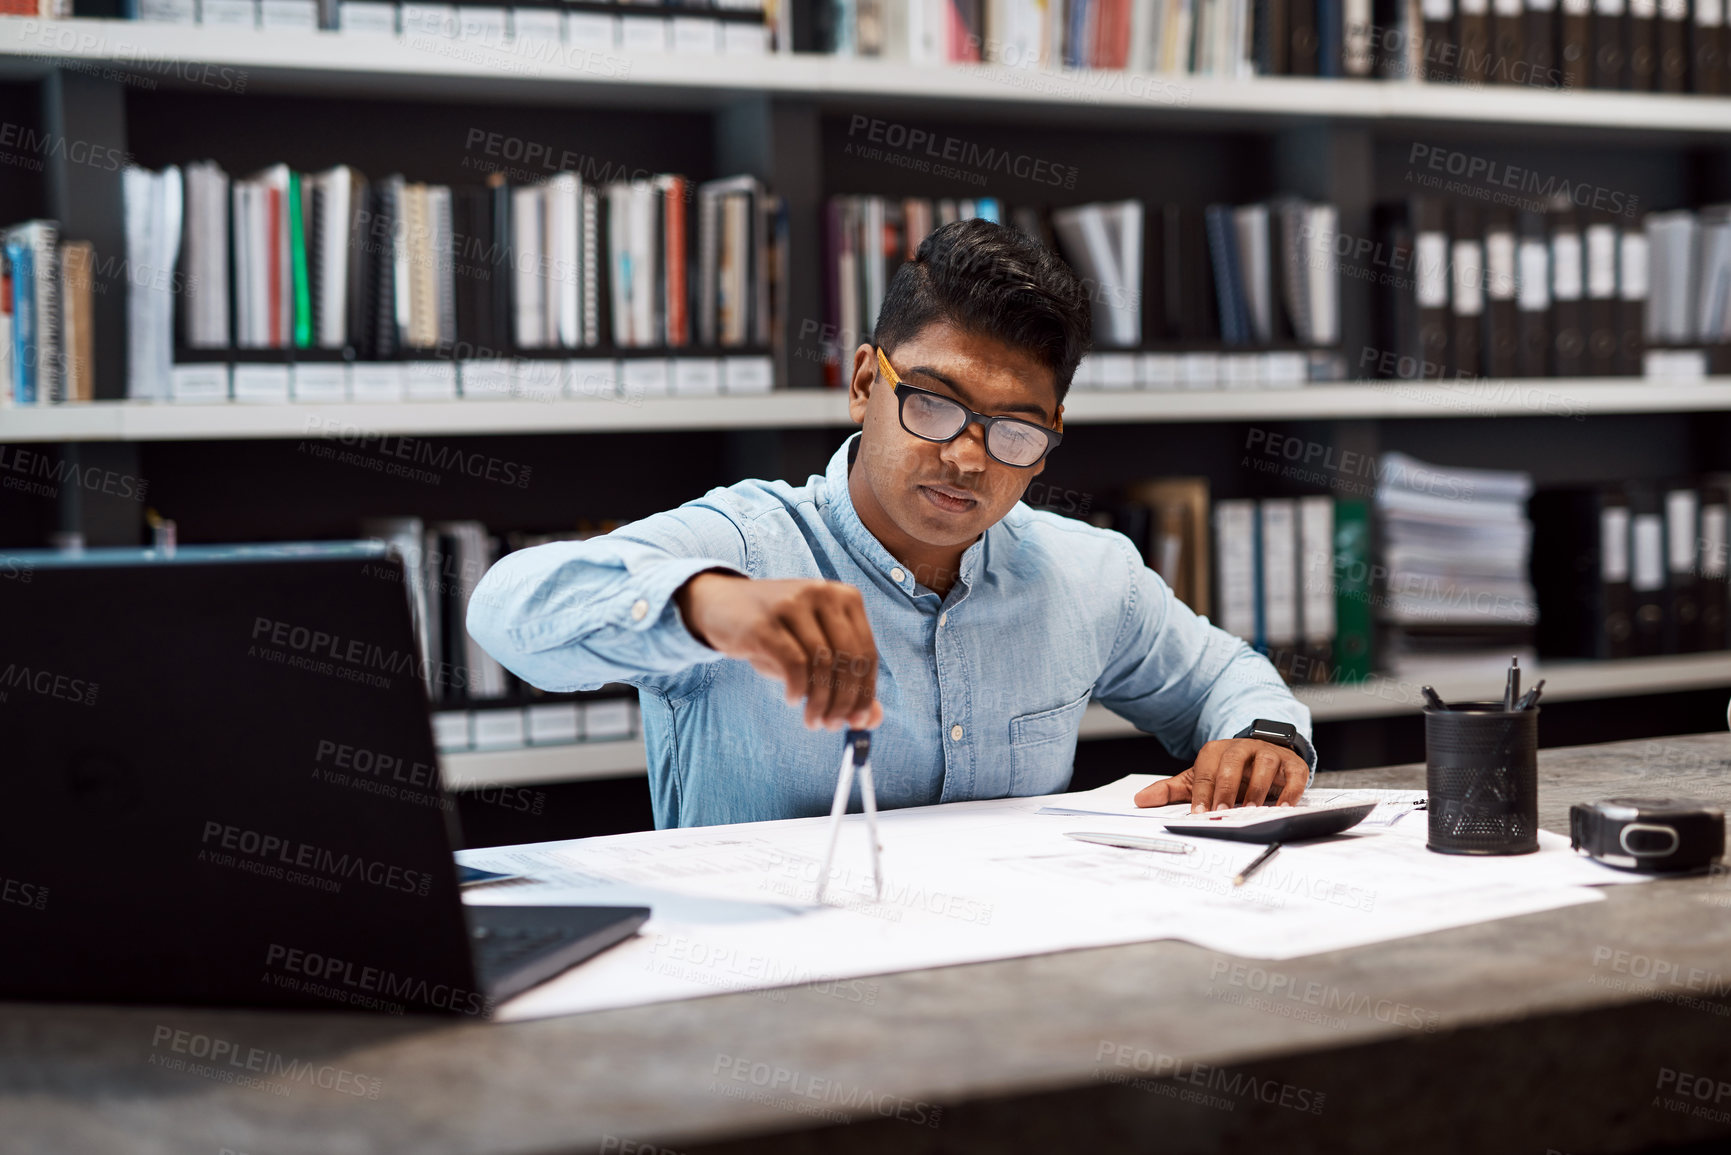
1273	823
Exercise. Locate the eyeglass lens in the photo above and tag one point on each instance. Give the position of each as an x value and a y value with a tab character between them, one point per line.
939	419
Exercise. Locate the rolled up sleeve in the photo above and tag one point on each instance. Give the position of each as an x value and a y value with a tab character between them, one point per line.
576	615
1177	676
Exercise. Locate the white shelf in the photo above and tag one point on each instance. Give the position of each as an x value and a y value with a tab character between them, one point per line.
167	421
1380	697
329	64
795	408
535	765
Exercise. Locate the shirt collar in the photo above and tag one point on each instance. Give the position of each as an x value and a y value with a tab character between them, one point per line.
838	510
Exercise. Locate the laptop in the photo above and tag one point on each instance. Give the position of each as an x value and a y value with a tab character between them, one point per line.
221	788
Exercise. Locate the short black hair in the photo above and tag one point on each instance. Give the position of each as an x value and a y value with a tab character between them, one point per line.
995	281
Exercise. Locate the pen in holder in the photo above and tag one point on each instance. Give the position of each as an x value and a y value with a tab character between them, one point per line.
1482	775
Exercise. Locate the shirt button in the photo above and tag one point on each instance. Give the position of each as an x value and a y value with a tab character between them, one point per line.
955	733
943	619
897	575
640	608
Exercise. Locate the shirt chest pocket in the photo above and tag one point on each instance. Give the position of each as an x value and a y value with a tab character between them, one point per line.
1043	748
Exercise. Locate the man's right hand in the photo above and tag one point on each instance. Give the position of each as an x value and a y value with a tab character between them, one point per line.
810	634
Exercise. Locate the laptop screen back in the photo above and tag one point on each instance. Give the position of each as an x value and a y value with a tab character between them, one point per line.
222	786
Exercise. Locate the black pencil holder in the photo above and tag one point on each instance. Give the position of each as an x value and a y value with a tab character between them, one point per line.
1482	774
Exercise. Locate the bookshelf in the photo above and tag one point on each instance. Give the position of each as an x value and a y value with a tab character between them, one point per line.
323	63
169	94
798	409
1378	698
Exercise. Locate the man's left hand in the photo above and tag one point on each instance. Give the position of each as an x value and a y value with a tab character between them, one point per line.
1233	772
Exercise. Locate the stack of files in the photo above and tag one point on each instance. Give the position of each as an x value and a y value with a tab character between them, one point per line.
1491	294
1632	569
1275	568
47	343
866	239
1689	308
1455	546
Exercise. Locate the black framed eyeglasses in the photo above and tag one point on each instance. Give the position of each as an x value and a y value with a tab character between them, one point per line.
934	417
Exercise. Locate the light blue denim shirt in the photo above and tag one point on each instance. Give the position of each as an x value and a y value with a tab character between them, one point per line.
982	689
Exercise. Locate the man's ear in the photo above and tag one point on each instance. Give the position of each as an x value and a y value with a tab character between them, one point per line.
859	388
1059	426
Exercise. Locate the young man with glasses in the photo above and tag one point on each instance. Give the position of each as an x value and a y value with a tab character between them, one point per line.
905	590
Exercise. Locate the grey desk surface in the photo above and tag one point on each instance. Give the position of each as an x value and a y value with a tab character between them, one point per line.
1594	1028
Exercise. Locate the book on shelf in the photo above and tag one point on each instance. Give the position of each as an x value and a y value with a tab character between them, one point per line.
745	27
1182	296
330	286
1631	45
1564	293
47	336
476	703
1288	575
1632	569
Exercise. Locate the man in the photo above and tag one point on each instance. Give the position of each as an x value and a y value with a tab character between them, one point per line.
906	590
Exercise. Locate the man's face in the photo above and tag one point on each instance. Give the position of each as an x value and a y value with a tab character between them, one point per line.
946	495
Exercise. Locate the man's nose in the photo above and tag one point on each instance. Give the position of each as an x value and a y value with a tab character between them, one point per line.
968	451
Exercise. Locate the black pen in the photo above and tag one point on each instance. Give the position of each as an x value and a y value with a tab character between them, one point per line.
1431	699
1256	864
1512	688
1531	697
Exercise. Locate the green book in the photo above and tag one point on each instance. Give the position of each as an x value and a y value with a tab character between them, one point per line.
1352	590
303	308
